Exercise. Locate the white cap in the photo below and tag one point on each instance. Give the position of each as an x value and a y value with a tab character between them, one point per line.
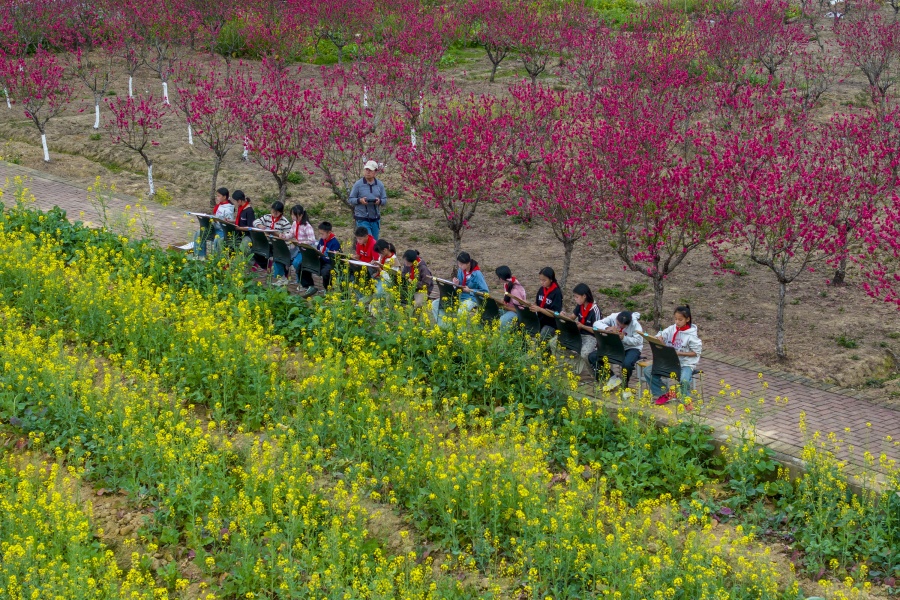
372	165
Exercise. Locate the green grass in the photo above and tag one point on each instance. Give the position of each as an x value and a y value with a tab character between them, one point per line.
95	137
846	342
112	166
295	178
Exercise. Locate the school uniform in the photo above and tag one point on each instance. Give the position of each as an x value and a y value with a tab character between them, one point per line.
587	314
244	217
419	273
683	340
383	276
223	210
632	341
550	298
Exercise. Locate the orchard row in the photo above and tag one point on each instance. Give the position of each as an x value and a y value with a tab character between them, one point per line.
669	133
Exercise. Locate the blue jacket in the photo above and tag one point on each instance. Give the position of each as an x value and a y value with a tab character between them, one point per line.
474	282
363	189
333	245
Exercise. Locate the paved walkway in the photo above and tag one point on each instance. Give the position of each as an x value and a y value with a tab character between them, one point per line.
171	225
827	408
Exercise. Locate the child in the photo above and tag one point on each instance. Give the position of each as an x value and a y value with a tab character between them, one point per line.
683	337
416	271
470	279
387	259
224	210
586	313
274	221
512	289
327	243
243	217
550	298
365	246
625	324
301	232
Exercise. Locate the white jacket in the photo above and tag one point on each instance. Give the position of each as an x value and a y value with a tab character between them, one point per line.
632	338
685	341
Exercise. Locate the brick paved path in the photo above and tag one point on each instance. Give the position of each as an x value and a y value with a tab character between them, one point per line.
172	226
828	409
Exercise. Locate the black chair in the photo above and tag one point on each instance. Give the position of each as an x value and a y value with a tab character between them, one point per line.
260	246
448	294
281	253
232	236
667	366
490	310
206	230
312	260
569	335
528	320
609	345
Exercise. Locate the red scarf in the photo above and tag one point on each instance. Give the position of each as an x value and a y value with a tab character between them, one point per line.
383	259
467	275
327	239
237	214
412	269
296	228
216	209
677	329
547	292
585	311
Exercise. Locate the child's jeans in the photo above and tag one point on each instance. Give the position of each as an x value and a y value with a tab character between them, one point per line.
656	386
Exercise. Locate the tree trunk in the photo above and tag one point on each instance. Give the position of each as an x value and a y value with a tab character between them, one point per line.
44	145
493	71
841	273
282	187
779	322
568	247
130	86
534	80
340	50
457	242
6	93
150	178
658	286
217	162
96	115
165	92
412	137
190	135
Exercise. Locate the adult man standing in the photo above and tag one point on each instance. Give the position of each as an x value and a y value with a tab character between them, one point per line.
367	197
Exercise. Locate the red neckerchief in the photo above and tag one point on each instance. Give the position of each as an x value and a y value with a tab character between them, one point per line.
585	311
216	209
237	215
467	275
412	269
547	292
383	259
677	329
327	239
296	228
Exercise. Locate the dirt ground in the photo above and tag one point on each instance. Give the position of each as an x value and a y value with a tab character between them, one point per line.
838	335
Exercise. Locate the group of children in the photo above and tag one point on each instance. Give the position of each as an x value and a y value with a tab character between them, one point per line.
379	257
548	303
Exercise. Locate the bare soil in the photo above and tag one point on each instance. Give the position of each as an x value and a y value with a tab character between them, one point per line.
837	335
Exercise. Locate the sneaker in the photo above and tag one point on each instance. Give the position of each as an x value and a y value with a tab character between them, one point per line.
664	399
627	395
310	291
280	281
612	383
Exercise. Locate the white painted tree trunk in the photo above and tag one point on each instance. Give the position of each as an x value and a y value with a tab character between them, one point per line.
130	86
412	137
150	179
190	135
365	97
46	151
246	151
97	116
6	93
165	92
